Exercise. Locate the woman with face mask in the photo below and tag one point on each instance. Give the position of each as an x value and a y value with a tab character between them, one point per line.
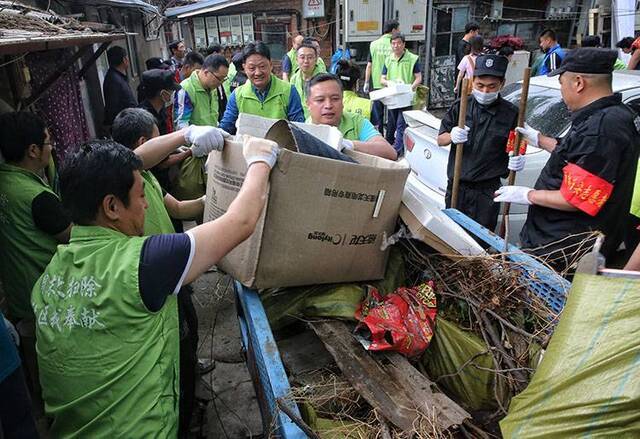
485	160
155	94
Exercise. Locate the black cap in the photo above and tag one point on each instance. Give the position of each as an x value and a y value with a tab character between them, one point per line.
587	60
158	79
157	63
491	65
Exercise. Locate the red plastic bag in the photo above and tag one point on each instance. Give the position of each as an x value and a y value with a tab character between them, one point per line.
403	321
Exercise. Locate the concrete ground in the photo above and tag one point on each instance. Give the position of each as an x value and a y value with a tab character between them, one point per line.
231	408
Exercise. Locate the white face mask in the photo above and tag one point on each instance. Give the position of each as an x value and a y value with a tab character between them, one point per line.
485	98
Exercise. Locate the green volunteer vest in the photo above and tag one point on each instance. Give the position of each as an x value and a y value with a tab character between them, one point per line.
108	367
355	104
379	50
635	200
275	106
401	70
293	57
24	248
350	125
205	102
298	81
230	76
156	217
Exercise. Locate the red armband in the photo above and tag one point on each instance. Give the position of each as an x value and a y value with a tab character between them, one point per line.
511	143
584	190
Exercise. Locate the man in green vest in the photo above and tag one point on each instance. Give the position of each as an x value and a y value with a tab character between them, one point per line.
378	51
263	94
289	60
324	99
133	128
307	57
198	103
106	315
401	66
32	223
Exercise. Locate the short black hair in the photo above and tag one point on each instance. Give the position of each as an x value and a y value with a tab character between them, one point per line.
506	51
591	41
348	72
97	169
471	26
131	124
174	45
390	26
548	33
213	62
322	77
116	56
308	45
214	48
193	58
238	60
625	43
257	48
398	36
18	131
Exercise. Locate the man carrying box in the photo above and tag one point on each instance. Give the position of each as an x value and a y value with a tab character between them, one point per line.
107	324
399	67
324	99
263	94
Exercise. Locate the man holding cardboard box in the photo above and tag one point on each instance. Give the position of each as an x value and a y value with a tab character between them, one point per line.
402	67
263	94
324	99
107	325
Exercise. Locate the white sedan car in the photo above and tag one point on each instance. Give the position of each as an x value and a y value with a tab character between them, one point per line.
545	111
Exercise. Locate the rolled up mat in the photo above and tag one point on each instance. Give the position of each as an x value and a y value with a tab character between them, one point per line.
289	136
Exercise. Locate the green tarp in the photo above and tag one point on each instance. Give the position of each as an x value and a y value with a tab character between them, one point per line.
588	383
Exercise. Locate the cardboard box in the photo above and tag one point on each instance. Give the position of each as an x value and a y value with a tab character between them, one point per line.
324	222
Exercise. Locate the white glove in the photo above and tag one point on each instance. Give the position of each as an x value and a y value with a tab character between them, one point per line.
259	150
13	334
204	139
346	144
530	134
365	87
513	194
516	163
460	135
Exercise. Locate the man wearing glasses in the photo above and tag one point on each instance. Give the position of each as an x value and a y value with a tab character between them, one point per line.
307	58
264	94
197	103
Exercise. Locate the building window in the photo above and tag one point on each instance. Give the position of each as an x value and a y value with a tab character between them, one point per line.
450	23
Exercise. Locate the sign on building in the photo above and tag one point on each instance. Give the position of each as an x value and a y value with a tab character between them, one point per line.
212	30
224	27
199	32
236	29
312	8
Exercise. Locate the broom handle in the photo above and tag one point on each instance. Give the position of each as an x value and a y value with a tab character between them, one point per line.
457	169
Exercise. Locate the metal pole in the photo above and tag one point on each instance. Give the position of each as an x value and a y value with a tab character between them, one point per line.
428	43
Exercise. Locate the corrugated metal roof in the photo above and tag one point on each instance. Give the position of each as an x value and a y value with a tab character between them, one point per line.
201	7
138	4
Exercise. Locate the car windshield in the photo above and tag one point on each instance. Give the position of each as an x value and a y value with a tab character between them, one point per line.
546	111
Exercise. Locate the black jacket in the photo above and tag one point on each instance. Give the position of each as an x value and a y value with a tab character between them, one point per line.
117	95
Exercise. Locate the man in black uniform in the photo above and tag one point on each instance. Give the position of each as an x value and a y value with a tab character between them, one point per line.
588	181
485	160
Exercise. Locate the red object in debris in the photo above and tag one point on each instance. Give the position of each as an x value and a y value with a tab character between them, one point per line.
506	40
402	321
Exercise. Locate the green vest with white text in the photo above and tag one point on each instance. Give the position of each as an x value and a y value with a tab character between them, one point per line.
156	217
108	366
379	50
355	104
276	104
25	249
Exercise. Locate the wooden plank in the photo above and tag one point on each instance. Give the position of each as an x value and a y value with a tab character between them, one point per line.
387	382
265	366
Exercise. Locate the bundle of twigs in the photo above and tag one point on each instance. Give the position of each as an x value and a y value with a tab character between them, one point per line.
332	397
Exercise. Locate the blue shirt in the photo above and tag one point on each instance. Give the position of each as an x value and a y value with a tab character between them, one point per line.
286	64
367	131
295	113
9	359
